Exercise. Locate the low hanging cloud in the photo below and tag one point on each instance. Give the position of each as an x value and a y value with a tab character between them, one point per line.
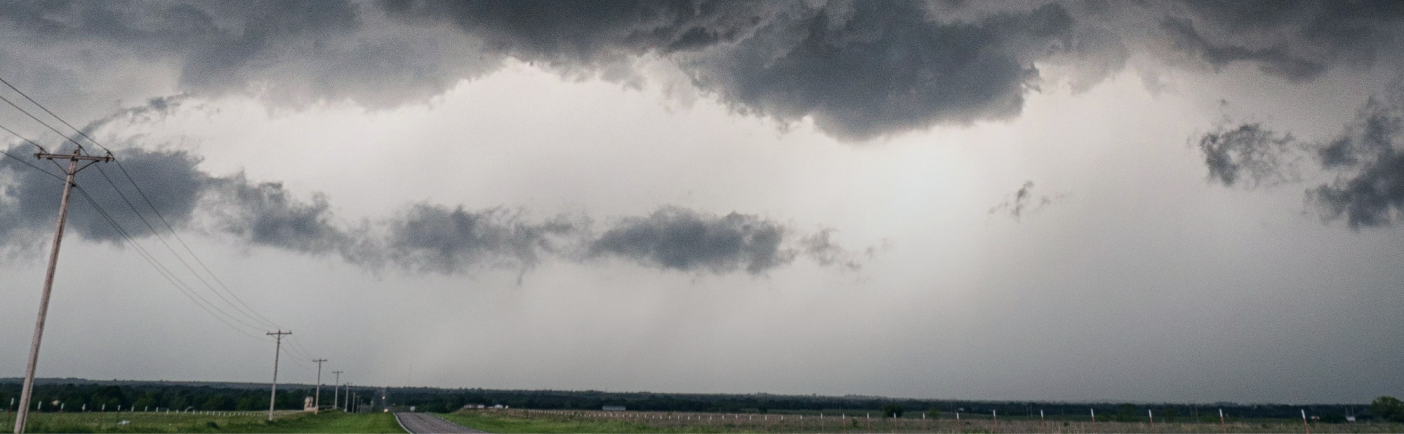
31	198
435	238
1366	160
1023	201
265	213
423	238
1249	155
681	239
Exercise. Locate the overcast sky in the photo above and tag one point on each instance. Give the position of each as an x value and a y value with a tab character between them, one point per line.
1169	201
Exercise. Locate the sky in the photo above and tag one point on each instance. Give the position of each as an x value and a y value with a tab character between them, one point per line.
1046	200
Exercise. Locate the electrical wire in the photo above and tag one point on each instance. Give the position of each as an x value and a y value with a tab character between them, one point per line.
298	345
41	169
41	122
172	250
246	310
146	255
191	294
161	269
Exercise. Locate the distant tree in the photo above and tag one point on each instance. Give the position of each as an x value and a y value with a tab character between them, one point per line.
146	400
1387	408
1126	413
1170	414
248	402
933	413
215	402
1333	418
891	410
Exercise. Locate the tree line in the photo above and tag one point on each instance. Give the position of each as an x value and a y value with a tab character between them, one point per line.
74	397
71	396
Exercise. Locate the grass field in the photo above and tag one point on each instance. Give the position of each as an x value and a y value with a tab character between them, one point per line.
213	422
546	421
531	422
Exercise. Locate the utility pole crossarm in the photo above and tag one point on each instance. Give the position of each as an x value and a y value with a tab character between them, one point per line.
74	156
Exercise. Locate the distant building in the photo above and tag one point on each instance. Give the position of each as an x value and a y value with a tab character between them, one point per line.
308	404
614	408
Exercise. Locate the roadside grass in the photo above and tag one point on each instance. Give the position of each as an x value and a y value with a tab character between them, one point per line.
504	423
560	421
214	422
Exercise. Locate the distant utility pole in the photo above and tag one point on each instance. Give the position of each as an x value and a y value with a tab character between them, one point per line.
336	390
317	402
72	170
273	397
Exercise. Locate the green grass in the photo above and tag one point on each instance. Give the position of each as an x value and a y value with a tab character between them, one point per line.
545	421
505	423
242	422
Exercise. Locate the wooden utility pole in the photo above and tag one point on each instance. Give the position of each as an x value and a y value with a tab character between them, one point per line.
68	184
336	390
317	402
273	397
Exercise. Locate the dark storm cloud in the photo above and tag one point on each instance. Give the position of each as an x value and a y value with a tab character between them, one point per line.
449	240
871	68
860	69
1365	158
1276	61
589	33
289	52
1295	40
267	214
1368	156
1248	155
685	240
424	238
31	198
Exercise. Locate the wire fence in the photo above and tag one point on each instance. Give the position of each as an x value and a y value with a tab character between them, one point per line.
843	422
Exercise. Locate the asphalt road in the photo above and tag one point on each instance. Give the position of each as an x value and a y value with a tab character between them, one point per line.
424	423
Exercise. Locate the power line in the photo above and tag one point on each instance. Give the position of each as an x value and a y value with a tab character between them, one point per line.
146	255
13	133
161	269
185	290
41	122
41	169
246	310
173	252
46	110
297	344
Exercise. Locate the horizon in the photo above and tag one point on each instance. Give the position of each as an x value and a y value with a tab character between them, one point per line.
197	383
